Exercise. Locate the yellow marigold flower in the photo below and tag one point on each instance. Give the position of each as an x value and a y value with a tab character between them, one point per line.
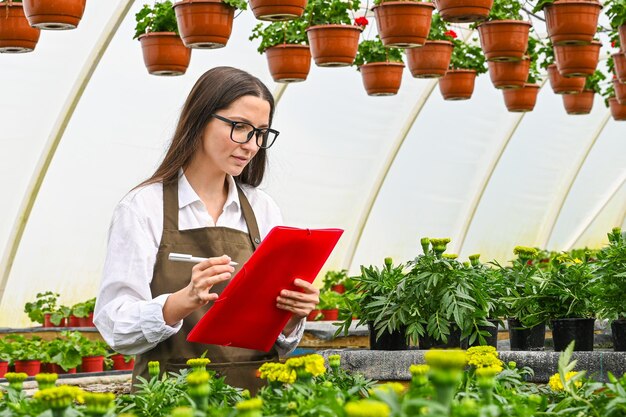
419	369
488	372
474	257
445	359
484	357
525	252
98	403
396	387
577	261
367	408
286	376
57	398
249	405
294	363
198	364
197	378
154	368
334	361
556	384
314	364
45	381
15	376
450	255
439	241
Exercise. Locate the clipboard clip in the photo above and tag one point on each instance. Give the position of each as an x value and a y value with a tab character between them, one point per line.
308	232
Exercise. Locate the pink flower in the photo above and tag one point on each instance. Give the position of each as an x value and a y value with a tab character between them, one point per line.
451	34
361	21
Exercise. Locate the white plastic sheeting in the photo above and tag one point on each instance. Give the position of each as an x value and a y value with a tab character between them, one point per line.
470	171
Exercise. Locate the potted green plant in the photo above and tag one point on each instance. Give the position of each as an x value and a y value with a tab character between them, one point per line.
504	36
123	362
618	110
582	103
466	63
64	353
403	24
616	65
5	357
277	10
559	84
82	313
570	22
611	265
46	310
524	99
285	45
92	352
16	34
206	24
336	281
333	38
616	12
463	11
514	74
617	61
163	50
330	302
432	59
27	354
54	15
380	67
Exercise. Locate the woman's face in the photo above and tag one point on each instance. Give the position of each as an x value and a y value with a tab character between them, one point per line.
219	150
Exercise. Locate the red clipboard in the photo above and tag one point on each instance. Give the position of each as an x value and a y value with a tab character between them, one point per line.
246	315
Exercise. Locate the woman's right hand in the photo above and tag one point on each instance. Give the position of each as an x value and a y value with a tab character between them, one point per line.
204	276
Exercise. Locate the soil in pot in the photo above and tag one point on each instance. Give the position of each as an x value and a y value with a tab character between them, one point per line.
618	330
579	330
522	338
387	341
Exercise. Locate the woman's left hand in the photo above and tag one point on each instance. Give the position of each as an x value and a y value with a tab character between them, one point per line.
300	303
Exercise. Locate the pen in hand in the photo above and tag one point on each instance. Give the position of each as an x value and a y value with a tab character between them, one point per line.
183	257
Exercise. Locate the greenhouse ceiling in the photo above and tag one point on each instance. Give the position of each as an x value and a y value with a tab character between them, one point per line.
83	123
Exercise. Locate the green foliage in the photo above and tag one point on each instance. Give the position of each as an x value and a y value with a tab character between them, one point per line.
84	308
611	273
533	55
616	12
506	10
545	54
375	51
439	30
45	303
541	4
467	56
23	349
66	350
332	278
322	12
277	33
155	397
593	82
330	300
158	18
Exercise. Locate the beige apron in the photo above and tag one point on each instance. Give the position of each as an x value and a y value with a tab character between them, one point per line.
238	365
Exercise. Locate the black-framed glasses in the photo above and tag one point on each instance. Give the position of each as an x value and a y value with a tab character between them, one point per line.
242	132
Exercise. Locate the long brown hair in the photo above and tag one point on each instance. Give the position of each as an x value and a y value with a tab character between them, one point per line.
215	90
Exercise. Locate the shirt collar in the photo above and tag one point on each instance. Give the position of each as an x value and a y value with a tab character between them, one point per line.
187	195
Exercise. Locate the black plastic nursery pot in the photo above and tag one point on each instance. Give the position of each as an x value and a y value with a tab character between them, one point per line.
491	340
577	329
618	330
523	338
429	342
387	341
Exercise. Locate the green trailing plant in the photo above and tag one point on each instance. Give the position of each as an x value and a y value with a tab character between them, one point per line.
326	12
594	82
616	12
541	4
371	51
46	303
439	30
467	56
545	54
506	10
279	33
611	276
157	18
532	51
84	309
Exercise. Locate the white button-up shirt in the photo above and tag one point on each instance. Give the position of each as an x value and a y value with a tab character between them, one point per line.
128	317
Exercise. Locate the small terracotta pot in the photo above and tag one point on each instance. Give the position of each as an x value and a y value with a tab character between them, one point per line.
511	74
120	365
382	78
572	22
521	99
620	66
30	368
86	321
16	34
73	321
204	24
457	84
464	11
92	364
164	53
332	314
431	60
563	85
580	103
333	45
622	37
403	24
276	10
577	60
504	40
48	323
4	368
618	111
289	63
54	368
54	15
620	91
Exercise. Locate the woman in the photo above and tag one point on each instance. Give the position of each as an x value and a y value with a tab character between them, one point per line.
202	200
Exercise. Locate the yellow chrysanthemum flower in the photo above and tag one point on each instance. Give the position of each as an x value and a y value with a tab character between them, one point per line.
367	408
314	364
556	384
484	357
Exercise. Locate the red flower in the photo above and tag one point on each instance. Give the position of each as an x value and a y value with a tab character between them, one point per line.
529	262
451	34
361	21
613	44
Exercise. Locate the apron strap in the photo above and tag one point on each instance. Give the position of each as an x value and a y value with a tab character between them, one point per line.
250	218
170	205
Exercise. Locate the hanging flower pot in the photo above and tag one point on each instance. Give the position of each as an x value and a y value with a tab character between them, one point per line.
580	103
622	36
579	330
457	84
521	99
333	45
509	74
464	11
289	63
618	111
620	66
54	15
204	23
504	40
431	60
577	60
382	78
164	53
276	10
620	91
16	34
403	24
563	85
572	22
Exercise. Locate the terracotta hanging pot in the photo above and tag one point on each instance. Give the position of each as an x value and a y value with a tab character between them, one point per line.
382	78
572	22
289	63
16	34
204	24
463	11
403	24
431	60
580	103
505	75
54	15
164	53
276	10
620	91
457	84
333	45
622	37
618	111
504	40
620	66
577	60
521	99
563	85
